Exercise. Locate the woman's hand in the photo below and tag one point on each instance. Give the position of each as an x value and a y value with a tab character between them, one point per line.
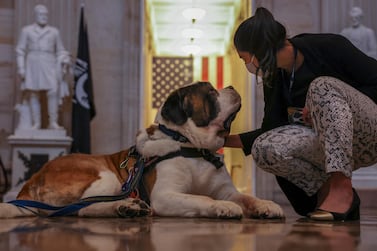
306	117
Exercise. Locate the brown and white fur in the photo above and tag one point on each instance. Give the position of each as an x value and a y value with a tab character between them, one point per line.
179	186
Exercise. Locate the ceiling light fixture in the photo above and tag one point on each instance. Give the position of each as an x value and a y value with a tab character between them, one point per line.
191	49
192	33
194	13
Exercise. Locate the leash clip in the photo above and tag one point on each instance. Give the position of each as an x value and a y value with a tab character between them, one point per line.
124	163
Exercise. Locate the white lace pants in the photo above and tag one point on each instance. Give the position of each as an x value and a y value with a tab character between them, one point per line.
344	137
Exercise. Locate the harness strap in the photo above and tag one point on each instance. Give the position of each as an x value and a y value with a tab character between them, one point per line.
202	153
193	152
188	152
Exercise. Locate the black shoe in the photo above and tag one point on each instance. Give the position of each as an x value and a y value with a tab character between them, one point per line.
353	213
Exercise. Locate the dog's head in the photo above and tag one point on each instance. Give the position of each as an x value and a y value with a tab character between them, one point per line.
201	113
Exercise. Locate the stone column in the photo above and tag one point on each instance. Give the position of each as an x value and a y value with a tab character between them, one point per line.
133	75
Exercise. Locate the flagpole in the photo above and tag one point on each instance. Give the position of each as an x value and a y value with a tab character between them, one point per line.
83	108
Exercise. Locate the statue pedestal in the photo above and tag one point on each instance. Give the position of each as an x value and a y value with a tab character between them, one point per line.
30	150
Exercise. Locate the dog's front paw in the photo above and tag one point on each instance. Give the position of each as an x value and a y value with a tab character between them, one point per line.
133	208
225	210
267	209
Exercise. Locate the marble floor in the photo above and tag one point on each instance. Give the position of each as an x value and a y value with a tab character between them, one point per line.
177	234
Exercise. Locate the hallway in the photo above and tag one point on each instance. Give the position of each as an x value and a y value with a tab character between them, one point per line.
176	234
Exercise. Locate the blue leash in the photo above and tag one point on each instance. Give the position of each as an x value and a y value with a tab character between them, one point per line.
130	185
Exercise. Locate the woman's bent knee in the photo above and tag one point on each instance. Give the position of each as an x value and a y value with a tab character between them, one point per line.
282	144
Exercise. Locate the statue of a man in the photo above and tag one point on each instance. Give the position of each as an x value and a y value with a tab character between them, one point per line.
362	37
42	62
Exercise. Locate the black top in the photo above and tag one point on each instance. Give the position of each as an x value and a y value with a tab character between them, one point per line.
324	55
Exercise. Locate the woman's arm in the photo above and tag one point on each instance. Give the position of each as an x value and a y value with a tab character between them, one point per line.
233	141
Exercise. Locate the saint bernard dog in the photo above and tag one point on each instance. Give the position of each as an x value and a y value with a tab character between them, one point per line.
183	175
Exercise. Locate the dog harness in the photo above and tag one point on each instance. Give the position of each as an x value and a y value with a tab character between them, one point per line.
189	152
133	186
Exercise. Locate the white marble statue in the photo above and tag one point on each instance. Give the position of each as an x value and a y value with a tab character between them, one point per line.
361	36
42	62
24	118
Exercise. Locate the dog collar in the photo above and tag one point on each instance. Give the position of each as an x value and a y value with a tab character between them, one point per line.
173	134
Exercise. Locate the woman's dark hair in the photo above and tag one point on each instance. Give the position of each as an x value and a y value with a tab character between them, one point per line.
262	36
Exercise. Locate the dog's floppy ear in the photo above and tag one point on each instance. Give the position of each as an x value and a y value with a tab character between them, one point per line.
173	109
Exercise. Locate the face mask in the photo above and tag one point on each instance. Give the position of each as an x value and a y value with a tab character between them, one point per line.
251	67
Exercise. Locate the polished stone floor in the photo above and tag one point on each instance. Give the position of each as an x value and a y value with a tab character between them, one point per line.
176	234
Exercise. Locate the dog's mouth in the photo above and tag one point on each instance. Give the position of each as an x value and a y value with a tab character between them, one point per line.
223	133
227	123
229	120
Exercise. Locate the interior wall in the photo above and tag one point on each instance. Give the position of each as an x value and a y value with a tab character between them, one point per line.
7	86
